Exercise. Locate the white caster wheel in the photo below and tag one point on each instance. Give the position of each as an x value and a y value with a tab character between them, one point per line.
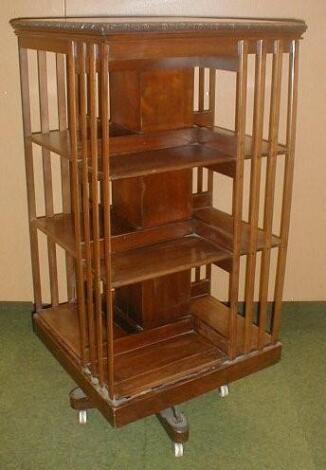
178	449
223	391
82	417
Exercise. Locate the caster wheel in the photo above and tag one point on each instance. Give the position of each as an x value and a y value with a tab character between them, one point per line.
82	417
178	449
223	391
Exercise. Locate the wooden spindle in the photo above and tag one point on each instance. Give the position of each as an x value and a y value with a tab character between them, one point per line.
201	89
212	94
241	98
288	184
210	173
104	93
29	169
85	200
47	173
64	168
201	108
212	100
95	210
258	122
270	187
75	195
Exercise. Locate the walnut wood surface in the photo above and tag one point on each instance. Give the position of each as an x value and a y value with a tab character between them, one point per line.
223	223
137	200
164	258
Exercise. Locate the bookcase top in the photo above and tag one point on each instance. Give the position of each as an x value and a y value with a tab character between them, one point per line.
104	26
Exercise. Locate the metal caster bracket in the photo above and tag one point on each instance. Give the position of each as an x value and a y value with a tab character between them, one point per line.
82	416
80	402
177	428
178	449
223	391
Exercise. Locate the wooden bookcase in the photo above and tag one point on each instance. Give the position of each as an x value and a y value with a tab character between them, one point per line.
130	110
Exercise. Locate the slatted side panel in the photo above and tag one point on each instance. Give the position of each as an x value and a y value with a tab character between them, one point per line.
45	107
258	263
94	220
91	61
265	186
78	85
44	99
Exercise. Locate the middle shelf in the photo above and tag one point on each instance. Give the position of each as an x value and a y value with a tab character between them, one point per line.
166	249
156	152
164	258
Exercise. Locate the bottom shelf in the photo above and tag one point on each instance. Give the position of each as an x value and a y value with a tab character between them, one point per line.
216	315
62	323
154	358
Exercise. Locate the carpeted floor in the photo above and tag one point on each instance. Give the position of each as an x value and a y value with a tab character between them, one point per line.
272	420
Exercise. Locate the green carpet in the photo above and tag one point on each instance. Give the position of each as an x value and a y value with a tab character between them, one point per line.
272	420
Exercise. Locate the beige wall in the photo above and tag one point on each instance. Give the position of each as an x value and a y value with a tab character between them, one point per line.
306	274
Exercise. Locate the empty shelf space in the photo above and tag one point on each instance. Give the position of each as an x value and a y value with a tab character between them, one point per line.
158	161
60	228
223	223
55	141
164	258
152	358
122	141
59	142
216	315
225	140
168	361
62	324
214	145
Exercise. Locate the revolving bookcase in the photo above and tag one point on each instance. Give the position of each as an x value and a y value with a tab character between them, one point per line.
128	111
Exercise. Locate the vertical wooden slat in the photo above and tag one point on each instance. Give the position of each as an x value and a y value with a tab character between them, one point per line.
75	188
201	89
258	121
212	100
85	199
29	169
201	85
95	210
104	97
212	93
288	184
201	107
210	173
241	97
47	172
64	167
270	187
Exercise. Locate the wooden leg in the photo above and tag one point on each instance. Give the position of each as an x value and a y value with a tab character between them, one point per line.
176	425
